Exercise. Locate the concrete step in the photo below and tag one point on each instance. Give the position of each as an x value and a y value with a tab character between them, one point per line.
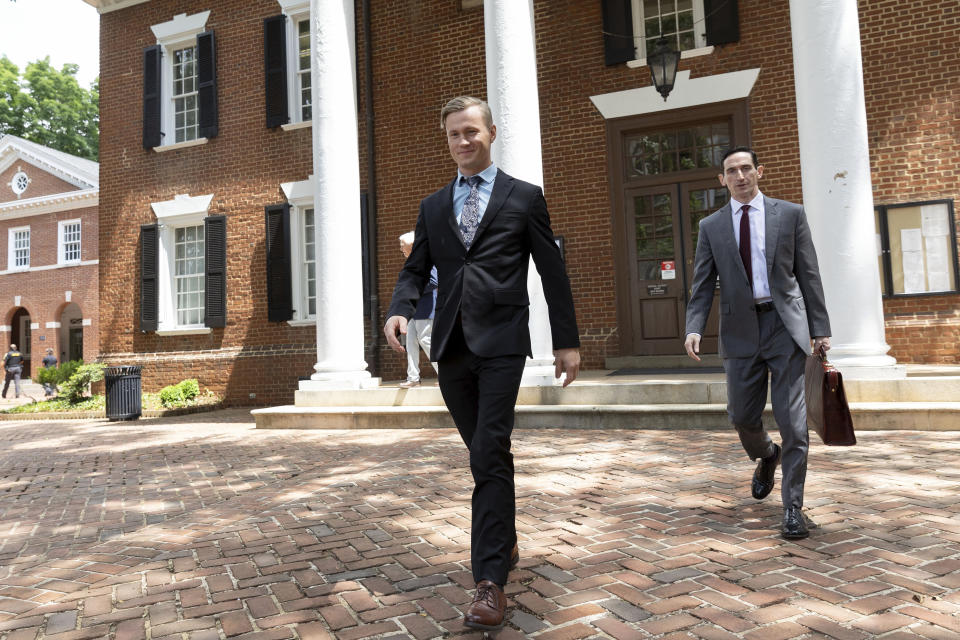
601	401
612	390
867	416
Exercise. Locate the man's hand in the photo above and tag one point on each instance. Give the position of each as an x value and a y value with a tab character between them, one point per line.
395	325
567	360
692	345
821	344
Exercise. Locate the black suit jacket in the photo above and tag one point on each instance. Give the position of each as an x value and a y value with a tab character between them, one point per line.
487	284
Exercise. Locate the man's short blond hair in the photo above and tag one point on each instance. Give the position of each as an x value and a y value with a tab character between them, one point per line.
463	102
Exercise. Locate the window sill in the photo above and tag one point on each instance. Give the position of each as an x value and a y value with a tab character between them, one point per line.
309	322
180	145
293	126
195	331
689	53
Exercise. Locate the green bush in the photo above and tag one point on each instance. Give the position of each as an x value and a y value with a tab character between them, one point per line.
59	374
178	395
77	384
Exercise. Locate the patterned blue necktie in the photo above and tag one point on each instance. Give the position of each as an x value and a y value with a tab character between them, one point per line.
470	214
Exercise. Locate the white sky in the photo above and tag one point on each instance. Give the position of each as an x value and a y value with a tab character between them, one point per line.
65	30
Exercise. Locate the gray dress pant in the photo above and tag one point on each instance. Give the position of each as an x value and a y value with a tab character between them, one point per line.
747	379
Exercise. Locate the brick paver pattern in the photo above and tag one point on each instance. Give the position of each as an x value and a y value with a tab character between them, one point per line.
203	528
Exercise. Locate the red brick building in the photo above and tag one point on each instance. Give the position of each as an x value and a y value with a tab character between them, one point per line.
48	249
206	140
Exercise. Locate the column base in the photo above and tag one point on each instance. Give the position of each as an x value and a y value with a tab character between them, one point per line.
859	367
333	380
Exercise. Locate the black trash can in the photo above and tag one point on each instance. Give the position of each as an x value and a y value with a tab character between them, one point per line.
123	392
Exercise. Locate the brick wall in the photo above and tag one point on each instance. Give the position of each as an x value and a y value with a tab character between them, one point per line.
43	293
424	52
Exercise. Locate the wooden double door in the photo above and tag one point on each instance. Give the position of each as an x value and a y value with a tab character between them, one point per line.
661	224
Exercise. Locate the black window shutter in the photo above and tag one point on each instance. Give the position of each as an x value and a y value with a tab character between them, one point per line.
215	258
151	97
275	70
149	300
279	286
722	21
618	31
207	85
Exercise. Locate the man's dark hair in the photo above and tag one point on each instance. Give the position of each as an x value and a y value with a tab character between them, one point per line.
740	149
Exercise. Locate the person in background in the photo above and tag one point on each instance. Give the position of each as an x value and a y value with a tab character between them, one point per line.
49	361
421	325
13	366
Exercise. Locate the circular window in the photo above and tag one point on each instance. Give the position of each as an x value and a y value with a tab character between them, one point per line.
19	182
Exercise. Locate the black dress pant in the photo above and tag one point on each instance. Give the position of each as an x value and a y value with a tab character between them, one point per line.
481	394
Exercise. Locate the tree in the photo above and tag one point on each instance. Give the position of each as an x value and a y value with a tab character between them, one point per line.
50	107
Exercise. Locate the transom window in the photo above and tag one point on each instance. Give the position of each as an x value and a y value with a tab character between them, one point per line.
309	265
669	150
679	21
20	243
185	93
303	70
189	272
70	241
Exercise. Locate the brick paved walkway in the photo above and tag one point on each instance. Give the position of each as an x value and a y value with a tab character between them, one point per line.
201	527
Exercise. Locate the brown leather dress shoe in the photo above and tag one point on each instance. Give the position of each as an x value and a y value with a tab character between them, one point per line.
488	608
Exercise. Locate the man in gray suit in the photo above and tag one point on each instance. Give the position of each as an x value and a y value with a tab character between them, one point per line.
771	303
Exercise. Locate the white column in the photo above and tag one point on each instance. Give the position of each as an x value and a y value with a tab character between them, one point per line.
512	93
837	193
336	166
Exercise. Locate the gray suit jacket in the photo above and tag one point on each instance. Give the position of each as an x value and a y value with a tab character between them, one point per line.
791	270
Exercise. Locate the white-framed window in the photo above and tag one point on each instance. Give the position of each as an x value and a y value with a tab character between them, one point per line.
303	250
304	103
18	243
299	97
179	110
184	95
308	297
188	274
68	241
181	279
681	22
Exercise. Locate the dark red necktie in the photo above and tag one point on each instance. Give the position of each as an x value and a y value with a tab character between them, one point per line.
745	242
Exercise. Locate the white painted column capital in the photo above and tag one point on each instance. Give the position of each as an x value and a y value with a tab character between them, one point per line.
837	192
336	165
511	55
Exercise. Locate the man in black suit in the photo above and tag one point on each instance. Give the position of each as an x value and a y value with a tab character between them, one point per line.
480	231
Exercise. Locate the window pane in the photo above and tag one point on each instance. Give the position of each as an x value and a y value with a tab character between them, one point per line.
309	264
189	275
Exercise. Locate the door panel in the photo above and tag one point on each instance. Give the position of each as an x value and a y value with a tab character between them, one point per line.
699	200
654	238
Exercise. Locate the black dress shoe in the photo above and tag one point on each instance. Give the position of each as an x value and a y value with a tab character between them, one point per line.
794	524
763	477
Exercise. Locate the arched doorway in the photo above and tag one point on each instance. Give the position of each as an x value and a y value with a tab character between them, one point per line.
71	333
21	335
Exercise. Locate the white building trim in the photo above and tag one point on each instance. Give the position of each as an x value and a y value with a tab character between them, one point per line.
686	93
48	267
50	204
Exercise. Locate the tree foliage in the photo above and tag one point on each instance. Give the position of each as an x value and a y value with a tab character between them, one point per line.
50	107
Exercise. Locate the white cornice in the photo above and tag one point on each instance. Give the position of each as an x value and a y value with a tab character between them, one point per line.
106	6
299	193
77	171
48	267
182	27
181	205
49	204
686	92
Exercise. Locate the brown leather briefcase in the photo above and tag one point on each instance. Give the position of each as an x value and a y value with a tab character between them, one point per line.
827	411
